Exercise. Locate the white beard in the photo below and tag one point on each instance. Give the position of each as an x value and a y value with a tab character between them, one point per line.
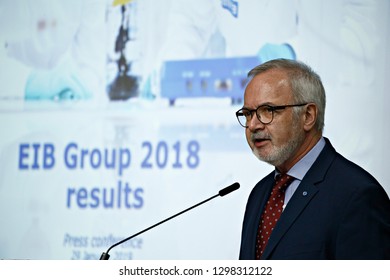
279	155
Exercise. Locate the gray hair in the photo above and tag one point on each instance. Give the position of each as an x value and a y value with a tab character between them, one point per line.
305	84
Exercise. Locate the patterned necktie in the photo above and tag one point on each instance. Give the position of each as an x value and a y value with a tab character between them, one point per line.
272	211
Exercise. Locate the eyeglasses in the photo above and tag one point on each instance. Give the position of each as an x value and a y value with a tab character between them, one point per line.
264	113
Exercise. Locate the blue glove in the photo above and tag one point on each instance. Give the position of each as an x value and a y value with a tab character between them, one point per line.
273	51
60	83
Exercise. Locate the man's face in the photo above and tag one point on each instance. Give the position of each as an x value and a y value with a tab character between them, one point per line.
279	141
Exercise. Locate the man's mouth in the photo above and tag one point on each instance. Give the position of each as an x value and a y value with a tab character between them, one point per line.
259	141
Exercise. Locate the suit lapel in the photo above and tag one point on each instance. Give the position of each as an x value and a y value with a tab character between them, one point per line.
305	192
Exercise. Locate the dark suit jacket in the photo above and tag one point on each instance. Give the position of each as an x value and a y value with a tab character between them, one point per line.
339	211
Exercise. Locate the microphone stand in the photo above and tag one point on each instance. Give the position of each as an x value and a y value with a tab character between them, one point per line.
223	192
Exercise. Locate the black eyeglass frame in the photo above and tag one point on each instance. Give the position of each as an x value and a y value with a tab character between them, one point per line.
270	107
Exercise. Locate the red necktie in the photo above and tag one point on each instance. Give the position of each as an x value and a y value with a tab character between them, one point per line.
272	211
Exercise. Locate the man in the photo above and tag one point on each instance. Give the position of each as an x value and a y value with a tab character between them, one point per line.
332	209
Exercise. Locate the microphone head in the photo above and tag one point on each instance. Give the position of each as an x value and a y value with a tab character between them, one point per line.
229	189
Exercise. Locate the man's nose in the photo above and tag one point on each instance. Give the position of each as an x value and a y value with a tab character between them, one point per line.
255	124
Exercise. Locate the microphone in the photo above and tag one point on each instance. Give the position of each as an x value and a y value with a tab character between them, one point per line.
223	192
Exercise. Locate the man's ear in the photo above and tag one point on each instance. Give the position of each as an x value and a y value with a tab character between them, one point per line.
310	116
